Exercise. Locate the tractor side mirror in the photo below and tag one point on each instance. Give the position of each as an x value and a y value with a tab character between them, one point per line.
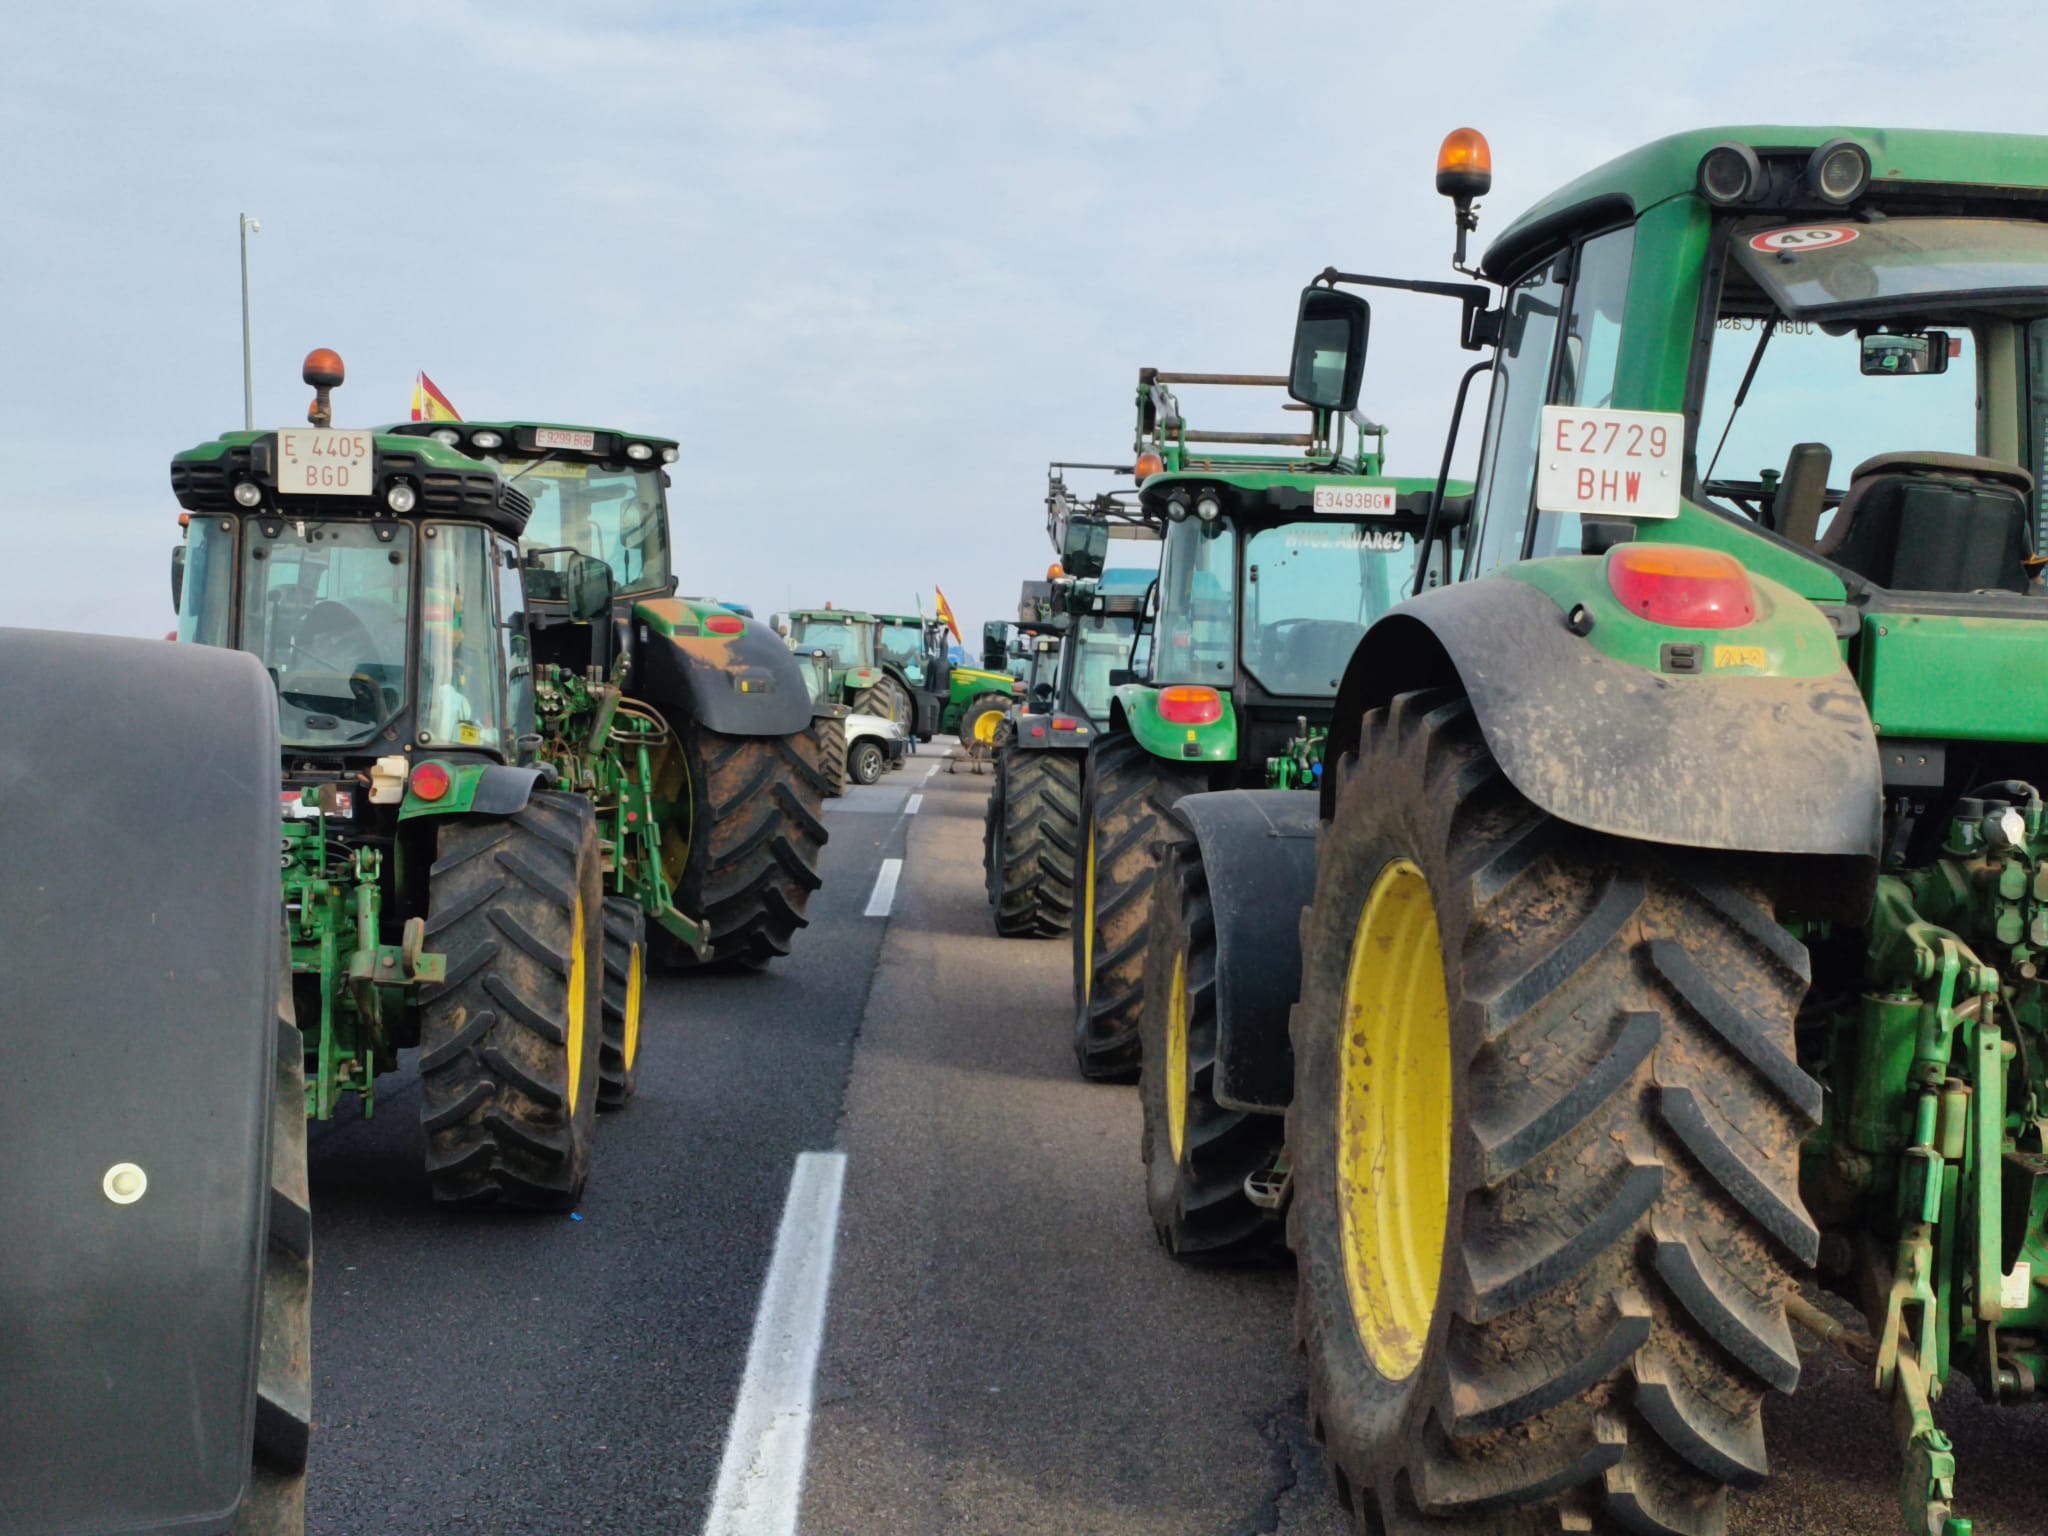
590	588
1084	547
177	576
1118	676
1899	355
1330	331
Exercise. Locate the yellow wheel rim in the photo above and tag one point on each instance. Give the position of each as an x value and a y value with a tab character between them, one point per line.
1088	921
985	725
1177	1057
634	971
1394	1121
578	943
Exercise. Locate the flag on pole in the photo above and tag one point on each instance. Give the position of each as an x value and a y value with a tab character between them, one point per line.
429	404
946	613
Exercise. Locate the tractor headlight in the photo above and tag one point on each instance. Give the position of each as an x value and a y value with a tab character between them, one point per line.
448	437
639	451
670	454
1177	508
1838	171
1208	509
1730	173
486	440
400	497
248	493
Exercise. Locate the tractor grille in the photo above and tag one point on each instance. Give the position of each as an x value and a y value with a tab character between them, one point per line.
208	485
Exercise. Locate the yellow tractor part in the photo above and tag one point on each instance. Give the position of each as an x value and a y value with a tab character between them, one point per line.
1177	1056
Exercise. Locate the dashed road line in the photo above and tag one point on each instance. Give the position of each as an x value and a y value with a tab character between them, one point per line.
884	892
761	1479
910	806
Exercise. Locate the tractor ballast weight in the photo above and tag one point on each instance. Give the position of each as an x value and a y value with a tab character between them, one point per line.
157	1284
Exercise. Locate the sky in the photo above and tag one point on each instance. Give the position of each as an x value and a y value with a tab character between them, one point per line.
874	265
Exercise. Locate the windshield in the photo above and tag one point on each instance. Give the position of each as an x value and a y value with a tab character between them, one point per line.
1040	682
206	605
615	514
324	609
459	645
1852	267
847	643
1197	604
1310	591
903	645
1102	646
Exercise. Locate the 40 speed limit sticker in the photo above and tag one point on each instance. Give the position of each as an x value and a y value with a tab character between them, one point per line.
1807	237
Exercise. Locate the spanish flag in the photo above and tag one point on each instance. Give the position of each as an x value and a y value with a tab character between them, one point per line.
946	613
429	404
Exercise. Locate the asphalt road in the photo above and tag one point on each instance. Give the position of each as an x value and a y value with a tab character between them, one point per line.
1005	1347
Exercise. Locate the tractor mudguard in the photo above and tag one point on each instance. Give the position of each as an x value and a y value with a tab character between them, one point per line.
745	684
502	790
476	789
139	814
1259	853
1761	763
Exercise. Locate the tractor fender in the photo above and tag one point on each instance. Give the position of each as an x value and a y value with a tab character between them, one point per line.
1258	850
502	790
139	790
1745	762
748	684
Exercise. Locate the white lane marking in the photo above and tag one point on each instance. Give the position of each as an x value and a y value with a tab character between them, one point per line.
885	888
761	1480
910	806
928	774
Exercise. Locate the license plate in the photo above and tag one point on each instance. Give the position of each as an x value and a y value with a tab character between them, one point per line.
1619	463
318	462
561	437
1371	500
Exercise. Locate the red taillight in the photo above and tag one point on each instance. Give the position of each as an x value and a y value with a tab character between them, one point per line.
1038	730
725	623
1065	723
1682	585
429	781
1190	706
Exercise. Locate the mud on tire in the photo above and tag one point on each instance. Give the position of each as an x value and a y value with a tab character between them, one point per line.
1032	841
1196	1196
1126	794
1623	1201
509	1042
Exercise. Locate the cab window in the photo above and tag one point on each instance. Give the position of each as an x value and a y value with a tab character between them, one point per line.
1521	386
1587	362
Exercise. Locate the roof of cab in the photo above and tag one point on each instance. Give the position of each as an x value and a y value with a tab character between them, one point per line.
1666	168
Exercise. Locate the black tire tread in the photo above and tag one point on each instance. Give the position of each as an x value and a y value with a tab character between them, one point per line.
625	932
830	731
1621	1245
1033	842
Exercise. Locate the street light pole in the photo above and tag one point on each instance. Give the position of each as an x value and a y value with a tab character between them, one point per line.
249	227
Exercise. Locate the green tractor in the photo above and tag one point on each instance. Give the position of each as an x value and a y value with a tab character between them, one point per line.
1071	640
707	696
155	1370
828	718
967	702
1677	922
1271	566
848	637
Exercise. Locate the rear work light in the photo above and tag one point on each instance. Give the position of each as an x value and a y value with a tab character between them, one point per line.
429	781
1682	585
1190	706
725	624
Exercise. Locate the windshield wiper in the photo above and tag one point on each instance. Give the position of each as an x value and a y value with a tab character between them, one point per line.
536	463
1741	394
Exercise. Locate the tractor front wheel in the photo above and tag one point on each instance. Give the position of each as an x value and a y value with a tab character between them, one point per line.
1125	796
509	1042
1545	1139
982	725
625	977
1197	1153
1033	839
831	733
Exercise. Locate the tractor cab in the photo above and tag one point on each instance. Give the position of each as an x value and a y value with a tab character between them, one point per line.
375	576
846	637
1271	568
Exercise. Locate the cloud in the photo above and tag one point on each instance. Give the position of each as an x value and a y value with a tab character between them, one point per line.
873	265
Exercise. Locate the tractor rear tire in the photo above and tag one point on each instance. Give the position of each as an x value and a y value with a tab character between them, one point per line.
977	728
1036	824
275	1503
1557	1301
1197	1154
1125	796
831	733
509	1043
625	977
759	803
889	699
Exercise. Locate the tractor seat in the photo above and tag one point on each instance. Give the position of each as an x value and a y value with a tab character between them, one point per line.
1935	522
